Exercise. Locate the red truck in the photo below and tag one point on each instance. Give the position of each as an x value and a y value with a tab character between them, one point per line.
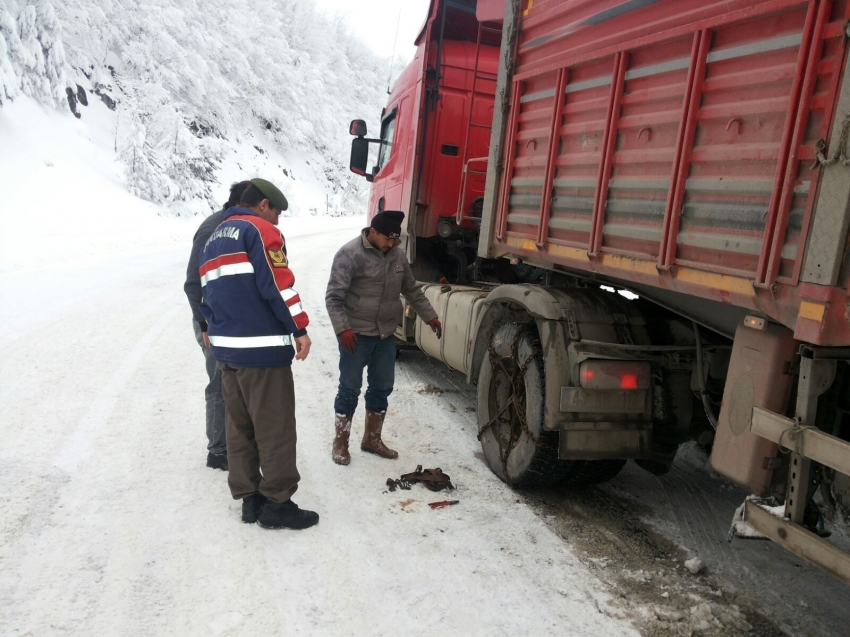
632	217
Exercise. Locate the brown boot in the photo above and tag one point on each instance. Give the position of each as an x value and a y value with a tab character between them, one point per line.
342	425
372	436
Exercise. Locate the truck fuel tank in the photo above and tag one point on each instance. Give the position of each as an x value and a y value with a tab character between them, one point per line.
458	308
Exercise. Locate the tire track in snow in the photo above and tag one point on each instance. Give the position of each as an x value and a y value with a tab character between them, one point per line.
77	448
60	538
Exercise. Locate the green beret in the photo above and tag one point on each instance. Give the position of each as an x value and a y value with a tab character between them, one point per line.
271	192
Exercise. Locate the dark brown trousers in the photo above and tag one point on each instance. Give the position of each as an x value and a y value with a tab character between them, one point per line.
260	426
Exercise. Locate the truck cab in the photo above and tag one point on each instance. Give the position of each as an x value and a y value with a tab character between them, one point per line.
434	139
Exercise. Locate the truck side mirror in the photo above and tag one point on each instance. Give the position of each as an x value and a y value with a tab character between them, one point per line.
357	128
359	156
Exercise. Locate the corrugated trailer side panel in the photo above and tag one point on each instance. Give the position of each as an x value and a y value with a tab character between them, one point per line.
730	183
672	142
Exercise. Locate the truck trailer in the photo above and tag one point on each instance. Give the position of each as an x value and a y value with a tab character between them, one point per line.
632	218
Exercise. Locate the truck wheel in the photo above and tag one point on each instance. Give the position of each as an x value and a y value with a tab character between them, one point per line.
510	410
511	396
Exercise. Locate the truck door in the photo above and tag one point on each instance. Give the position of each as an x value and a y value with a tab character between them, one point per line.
384	185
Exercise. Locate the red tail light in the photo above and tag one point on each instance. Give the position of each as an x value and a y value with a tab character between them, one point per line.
615	375
628	381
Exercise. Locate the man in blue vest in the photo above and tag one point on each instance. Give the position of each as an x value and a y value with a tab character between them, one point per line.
216	442
256	327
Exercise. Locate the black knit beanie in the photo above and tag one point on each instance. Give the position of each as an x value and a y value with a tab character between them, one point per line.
388	223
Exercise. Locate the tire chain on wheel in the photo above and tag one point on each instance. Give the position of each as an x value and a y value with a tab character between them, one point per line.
546	467
516	376
549	468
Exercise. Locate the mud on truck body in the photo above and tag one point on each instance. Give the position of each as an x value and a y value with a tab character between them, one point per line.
689	154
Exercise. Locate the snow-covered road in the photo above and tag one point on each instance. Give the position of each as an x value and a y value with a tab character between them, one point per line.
110	524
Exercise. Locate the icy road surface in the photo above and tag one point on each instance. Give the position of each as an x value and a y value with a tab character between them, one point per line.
110	524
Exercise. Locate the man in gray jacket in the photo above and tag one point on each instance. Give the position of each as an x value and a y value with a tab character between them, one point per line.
368	275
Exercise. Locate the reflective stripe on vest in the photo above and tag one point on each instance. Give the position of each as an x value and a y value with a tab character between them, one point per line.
226	270
244	342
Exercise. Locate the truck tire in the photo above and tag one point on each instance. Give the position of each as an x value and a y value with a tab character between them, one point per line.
516	446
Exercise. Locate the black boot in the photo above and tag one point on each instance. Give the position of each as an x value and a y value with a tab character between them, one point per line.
217	461
252	506
286	516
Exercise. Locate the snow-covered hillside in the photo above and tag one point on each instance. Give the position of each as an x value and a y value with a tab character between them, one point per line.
189	95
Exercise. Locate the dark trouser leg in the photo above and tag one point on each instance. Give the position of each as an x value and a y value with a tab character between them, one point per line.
216	436
242	454
351	377
216	440
381	374
270	398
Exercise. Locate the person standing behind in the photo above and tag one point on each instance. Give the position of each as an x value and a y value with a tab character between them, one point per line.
256	327
367	277
216	443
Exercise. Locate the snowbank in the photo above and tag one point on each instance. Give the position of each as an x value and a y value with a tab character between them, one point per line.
65	203
64	199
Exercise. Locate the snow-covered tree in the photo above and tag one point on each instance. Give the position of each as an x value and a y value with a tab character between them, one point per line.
40	60
49	37
9	42
146	176
32	56
30	63
186	76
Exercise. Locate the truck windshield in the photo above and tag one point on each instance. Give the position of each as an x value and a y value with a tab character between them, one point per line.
387	132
